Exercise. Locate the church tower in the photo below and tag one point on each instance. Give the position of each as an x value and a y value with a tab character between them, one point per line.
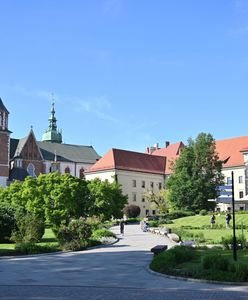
4	144
52	134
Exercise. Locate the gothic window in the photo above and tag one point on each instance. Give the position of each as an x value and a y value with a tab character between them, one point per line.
31	170
81	173
67	170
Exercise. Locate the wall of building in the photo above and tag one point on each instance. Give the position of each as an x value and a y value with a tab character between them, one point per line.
134	185
74	167
239	188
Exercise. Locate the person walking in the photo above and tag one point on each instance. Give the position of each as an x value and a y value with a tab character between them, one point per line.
122	227
228	219
212	220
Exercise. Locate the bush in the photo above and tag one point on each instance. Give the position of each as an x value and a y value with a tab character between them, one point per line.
32	248
227	242
7	222
154	223
215	262
132	211
176	214
166	261
75	235
100	233
93	222
132	220
30	228
241	272
203	212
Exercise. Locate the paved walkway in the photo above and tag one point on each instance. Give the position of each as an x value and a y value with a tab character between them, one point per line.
103	273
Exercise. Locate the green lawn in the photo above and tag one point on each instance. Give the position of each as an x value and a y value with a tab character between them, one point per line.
198	221
48	239
192	228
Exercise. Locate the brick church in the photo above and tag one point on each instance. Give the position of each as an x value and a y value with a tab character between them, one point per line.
24	157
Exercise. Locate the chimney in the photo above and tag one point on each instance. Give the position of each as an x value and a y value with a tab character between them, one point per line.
156	146
167	143
148	150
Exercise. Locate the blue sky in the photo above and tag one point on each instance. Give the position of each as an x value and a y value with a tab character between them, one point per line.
125	73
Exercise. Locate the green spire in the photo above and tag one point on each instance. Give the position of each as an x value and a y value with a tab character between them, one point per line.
52	134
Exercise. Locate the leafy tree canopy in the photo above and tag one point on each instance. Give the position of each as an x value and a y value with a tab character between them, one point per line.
108	199
196	173
158	201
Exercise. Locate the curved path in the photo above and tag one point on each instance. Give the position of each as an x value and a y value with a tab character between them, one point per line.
113	272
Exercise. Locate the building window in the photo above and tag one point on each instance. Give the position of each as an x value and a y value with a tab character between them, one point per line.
143	184
147	212
134	197
241	194
31	170
143	199
240	179
241	208
160	185
154	212
134	183
81	173
229	180
67	170
151	184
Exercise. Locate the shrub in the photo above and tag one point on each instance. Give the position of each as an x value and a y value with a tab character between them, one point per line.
165	221
215	262
132	211
7	222
154	223
227	242
131	220
32	248
241	272
94	222
166	261
30	228
75	235
176	214
203	212
100	233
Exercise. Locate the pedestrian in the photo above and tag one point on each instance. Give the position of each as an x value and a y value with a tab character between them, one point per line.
122	227
228	219
145	227
212	220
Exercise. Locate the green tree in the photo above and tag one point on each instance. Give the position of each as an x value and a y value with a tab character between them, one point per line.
196	173
158	201
108	199
65	197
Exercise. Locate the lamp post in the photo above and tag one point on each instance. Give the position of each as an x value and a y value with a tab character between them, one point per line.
234	231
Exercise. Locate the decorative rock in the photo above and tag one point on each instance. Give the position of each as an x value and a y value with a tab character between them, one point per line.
174	237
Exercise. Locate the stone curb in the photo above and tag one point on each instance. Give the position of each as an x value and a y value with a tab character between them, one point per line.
194	279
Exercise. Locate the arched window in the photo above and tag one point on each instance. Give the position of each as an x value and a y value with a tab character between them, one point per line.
81	173
31	170
67	170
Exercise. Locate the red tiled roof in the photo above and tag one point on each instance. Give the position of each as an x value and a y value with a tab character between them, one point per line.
131	161
171	153
229	150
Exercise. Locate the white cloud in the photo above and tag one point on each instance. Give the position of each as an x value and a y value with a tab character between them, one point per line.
39	93
99	106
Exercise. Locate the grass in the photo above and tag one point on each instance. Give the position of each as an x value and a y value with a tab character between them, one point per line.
48	241
211	264
193	227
